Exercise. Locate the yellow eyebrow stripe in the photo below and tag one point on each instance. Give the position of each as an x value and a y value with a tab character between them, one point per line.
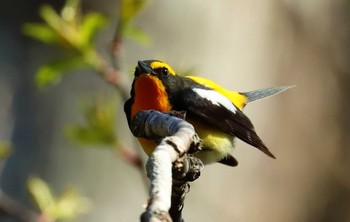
157	64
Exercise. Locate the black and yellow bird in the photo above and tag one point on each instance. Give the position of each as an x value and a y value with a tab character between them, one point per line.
215	112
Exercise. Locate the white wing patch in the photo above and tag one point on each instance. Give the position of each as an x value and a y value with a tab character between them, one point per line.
215	98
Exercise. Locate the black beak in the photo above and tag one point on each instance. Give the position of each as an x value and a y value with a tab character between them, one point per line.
144	68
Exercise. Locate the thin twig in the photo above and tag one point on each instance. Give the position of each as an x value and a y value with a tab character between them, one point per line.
13	208
112	74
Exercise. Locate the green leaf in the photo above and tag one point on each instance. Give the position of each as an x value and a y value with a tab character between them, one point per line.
70	204
47	75
99	127
137	34
89	26
85	136
41	194
50	74
67	206
71	11
129	9
65	28
5	149
42	33
51	17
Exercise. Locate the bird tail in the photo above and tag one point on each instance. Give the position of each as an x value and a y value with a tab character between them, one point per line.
264	93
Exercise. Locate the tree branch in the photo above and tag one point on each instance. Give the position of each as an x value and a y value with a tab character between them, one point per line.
176	137
185	169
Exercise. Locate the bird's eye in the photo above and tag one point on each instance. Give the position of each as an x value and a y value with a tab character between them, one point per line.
164	72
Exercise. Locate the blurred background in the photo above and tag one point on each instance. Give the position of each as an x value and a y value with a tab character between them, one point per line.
242	45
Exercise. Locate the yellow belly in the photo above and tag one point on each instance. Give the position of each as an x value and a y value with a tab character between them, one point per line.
147	145
216	143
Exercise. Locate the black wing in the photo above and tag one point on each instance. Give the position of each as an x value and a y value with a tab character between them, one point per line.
229	160
210	106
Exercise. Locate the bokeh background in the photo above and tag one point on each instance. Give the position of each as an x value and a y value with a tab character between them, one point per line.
243	45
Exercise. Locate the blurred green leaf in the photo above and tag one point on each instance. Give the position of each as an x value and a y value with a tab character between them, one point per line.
51	17
42	33
70	204
89	26
5	149
66	29
129	9
42	195
138	35
99	127
71	11
65	207
50	74
76	33
71	31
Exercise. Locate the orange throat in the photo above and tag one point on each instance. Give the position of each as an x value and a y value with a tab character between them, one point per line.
150	93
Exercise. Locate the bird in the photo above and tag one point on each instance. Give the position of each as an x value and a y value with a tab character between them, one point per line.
215	112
